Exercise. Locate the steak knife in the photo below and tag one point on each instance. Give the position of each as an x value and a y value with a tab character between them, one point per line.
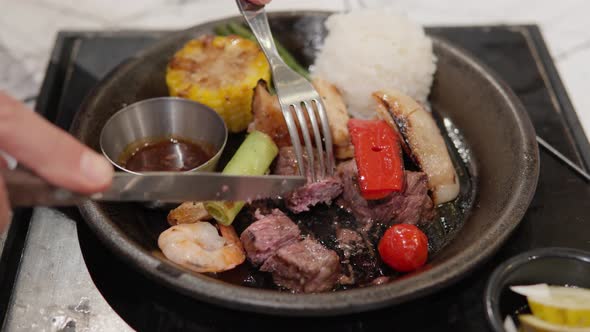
26	189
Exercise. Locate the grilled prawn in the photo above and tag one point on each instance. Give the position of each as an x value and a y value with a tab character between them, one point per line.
202	247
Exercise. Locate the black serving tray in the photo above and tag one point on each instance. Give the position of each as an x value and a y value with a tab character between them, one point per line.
556	217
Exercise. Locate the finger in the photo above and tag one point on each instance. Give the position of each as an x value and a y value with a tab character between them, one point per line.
50	151
5	212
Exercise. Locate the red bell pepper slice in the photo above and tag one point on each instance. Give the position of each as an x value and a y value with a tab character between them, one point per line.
378	156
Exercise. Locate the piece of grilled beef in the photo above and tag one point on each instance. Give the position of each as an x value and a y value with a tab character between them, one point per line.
360	263
304	266
302	198
265	236
411	206
273	241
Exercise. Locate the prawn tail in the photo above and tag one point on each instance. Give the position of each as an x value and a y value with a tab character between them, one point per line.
234	253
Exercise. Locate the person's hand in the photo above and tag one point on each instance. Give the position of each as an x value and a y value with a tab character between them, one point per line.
48	151
260	2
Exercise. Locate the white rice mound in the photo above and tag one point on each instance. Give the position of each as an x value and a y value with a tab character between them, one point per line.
370	50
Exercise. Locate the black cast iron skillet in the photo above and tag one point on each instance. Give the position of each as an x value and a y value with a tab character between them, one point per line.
502	149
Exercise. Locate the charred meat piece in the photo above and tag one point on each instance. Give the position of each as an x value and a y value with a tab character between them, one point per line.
323	191
348	241
268	117
423	142
305	266
411	206
264	237
359	263
417	206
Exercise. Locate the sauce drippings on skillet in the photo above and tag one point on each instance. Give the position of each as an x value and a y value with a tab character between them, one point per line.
168	154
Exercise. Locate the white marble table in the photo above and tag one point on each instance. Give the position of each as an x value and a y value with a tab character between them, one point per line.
28	28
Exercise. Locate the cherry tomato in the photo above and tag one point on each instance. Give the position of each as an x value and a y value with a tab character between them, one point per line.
404	247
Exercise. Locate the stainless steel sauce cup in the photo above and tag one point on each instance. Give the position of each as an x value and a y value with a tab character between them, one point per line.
160	118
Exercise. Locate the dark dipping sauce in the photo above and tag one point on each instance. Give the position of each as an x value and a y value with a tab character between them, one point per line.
168	154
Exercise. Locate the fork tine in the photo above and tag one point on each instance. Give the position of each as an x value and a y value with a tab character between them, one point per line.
318	137
327	135
294	138
292	90
306	139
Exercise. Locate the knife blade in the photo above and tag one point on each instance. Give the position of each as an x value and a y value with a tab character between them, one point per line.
27	189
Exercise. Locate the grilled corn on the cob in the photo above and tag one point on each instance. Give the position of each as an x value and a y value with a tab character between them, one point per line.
220	72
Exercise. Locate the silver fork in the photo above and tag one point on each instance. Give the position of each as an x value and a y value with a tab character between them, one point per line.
296	95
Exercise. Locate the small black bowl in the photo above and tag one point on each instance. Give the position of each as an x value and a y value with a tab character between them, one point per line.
553	266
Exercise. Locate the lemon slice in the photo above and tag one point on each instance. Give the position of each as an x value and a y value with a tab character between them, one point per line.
566	306
531	323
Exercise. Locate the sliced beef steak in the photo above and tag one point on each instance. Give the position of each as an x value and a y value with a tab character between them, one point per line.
412	205
323	191
417	206
300	200
264	237
304	266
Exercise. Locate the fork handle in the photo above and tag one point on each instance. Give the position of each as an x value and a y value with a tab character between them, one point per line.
255	16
